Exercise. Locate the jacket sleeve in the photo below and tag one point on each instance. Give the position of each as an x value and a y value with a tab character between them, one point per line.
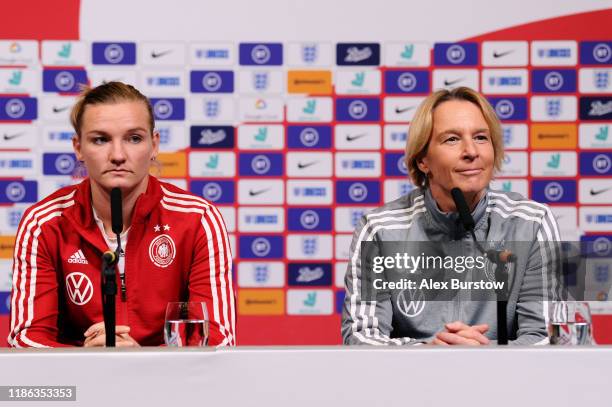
210	277
34	293
541	283
367	314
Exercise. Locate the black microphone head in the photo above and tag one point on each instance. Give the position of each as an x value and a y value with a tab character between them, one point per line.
463	209
116	211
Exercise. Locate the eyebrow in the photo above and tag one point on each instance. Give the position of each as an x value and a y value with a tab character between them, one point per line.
457	131
103	133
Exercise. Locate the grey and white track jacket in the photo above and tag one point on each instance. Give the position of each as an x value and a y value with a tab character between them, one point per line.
395	317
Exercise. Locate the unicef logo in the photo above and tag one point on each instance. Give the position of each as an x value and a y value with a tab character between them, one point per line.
212	191
15	191
504	109
455	54
15	108
260	54
163	109
309	219
358	109
553	191
211	81
553	80
602	246
309	137
407	82
260	164
64	164
602	52
401	165
113	53
260	247
64	81
602	163
358	192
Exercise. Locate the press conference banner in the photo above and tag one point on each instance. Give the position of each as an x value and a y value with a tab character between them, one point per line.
292	117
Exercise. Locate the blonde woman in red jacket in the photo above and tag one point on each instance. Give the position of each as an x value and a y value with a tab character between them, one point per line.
175	243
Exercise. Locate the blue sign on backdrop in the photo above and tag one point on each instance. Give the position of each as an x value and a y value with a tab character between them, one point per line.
456	54
113	53
261	54
309	136
216	191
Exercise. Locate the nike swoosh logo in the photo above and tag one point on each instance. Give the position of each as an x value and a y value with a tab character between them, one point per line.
451	83
302	166
502	54
60	109
400	111
8	137
255	193
600	191
355	137
160	54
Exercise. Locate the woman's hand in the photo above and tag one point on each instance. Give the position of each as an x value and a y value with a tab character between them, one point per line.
96	336
458	333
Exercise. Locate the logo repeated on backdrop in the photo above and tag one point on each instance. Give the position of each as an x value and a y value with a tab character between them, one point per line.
459	54
117	53
212	137
297	141
358	54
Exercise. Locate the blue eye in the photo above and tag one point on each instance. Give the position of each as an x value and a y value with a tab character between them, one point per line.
99	140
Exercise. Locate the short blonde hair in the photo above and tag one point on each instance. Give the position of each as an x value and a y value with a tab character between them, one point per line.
110	92
422	126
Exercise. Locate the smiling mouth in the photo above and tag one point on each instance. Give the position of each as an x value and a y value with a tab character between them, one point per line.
474	171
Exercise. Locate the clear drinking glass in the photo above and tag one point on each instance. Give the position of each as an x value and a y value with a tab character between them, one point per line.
186	324
570	323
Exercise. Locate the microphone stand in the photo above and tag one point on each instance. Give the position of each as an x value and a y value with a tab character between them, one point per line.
109	275
499	257
109	292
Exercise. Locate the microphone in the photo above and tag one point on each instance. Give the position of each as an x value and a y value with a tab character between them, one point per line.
116	211
464	211
109	257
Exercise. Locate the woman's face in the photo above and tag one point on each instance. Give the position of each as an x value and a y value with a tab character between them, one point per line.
460	152
116	145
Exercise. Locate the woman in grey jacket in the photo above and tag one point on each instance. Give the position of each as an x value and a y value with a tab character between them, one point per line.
455	140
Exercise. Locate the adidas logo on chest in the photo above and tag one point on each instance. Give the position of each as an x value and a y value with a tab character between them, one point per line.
78	258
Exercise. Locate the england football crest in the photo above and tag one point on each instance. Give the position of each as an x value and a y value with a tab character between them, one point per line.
162	251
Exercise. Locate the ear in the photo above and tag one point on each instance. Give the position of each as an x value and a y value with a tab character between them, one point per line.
423	165
76	145
155	141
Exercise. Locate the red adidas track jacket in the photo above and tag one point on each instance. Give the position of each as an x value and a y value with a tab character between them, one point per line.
177	250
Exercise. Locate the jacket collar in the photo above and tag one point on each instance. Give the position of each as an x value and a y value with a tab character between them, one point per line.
81	213
448	222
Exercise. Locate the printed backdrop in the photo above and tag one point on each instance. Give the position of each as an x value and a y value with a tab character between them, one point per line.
296	136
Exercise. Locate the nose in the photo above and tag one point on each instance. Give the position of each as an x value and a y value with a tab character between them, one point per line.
117	152
470	150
